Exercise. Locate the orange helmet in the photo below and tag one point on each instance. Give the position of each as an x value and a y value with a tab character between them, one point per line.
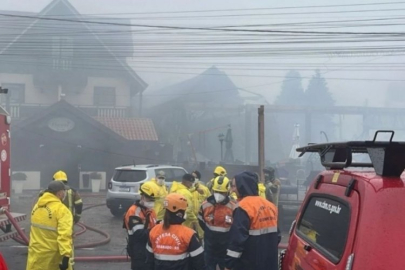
175	202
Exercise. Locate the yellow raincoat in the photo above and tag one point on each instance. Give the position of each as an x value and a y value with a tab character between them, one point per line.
262	190
198	199
162	192
51	234
191	218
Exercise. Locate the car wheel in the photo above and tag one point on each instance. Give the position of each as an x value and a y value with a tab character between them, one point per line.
117	212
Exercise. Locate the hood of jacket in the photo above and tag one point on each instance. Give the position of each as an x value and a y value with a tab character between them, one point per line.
177	186
46	198
247	184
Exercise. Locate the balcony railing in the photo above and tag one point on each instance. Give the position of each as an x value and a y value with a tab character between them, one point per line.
19	111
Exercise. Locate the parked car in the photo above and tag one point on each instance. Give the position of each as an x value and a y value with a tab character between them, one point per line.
123	189
351	219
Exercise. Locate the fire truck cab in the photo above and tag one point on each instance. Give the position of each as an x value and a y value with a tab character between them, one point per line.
351	218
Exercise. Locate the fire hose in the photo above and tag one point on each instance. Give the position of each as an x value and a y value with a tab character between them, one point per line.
22	239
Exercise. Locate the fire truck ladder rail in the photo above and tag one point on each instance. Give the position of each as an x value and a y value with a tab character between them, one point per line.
6	220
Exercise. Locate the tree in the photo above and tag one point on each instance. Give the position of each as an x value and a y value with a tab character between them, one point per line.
292	92
318	95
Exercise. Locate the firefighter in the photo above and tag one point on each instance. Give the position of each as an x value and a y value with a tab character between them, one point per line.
172	246
253	235
215	217
138	221
183	189
161	188
200	194
73	201
51	231
273	185
218	171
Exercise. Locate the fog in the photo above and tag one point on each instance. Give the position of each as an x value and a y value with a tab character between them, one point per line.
206	65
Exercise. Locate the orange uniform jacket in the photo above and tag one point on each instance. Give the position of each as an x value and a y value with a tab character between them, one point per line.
254	237
138	221
176	248
216	220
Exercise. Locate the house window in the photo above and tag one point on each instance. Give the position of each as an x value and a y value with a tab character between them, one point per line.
62	53
325	225
104	96
16	92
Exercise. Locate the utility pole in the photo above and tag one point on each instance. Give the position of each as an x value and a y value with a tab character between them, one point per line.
261	142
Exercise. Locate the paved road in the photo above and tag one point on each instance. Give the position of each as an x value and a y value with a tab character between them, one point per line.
98	217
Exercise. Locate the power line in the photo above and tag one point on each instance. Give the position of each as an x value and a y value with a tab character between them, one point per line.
205	28
245	9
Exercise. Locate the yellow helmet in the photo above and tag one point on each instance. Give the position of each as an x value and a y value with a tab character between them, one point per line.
149	189
219	170
60	176
221	184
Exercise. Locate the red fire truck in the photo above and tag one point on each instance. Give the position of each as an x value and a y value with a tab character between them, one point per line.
5	181
352	217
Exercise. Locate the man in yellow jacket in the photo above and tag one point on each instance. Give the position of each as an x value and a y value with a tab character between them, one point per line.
161	194
50	244
183	189
200	194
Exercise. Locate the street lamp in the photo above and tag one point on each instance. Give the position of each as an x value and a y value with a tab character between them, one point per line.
221	138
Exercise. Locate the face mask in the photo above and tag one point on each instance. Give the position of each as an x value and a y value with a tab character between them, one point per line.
149	205
185	216
219	197
196	181
161	182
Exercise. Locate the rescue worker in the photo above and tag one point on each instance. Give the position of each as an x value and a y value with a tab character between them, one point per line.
215	217
273	185
183	189
200	194
50	244
218	171
253	235
161	190
172	246
138	221
73	201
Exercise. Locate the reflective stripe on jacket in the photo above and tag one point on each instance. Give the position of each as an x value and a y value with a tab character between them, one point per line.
175	248
50	234
216	220
254	238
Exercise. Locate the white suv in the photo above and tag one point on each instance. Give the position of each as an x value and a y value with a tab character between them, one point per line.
123	189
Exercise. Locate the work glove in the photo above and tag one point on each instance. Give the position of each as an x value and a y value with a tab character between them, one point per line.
65	263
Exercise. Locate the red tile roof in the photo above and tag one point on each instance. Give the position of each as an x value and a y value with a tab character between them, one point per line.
134	129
